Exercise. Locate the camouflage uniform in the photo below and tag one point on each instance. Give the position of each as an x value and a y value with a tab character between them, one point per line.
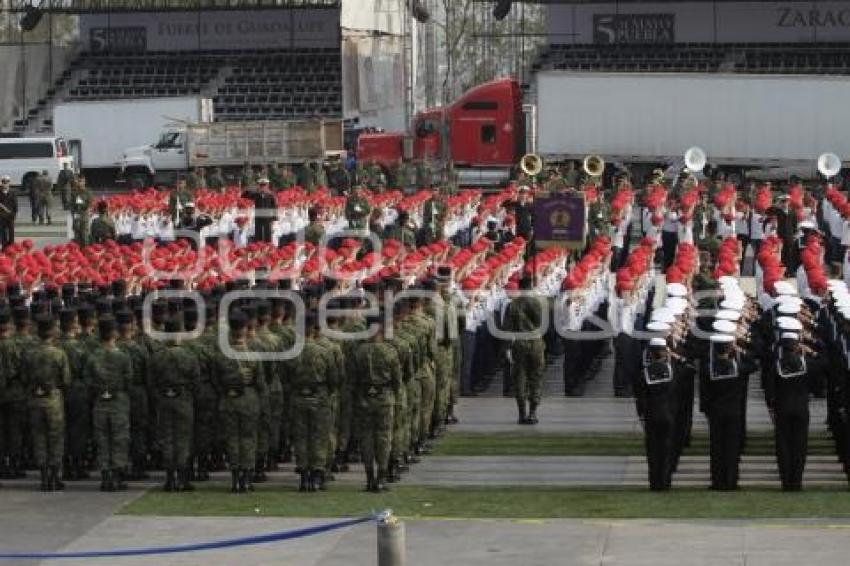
77	407
175	373
140	426
47	374
15	401
403	344
79	204
427	373
280	442
269	342
206	400
378	378
444	366
524	314
313	385
336	360
110	373
240	385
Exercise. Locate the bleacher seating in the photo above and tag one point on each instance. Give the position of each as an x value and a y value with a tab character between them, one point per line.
821	58
243	84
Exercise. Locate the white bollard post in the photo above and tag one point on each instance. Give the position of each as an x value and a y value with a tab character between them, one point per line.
390	541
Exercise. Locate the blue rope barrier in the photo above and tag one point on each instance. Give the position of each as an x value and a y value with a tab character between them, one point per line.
230	543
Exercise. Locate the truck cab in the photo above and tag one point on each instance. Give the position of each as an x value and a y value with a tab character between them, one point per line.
168	153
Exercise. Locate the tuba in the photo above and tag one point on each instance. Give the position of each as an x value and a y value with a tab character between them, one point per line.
531	164
594	165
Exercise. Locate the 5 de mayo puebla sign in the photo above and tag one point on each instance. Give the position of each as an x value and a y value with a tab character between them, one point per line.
730	21
222	29
634	28
560	219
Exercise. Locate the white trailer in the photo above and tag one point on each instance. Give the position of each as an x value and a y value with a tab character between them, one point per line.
99	131
764	121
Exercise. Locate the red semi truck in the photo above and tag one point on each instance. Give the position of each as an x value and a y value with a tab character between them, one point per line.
483	134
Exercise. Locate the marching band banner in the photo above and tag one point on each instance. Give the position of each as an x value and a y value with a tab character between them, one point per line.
560	219
789	21
217	29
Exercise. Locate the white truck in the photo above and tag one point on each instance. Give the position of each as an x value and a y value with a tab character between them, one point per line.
98	131
230	145
743	122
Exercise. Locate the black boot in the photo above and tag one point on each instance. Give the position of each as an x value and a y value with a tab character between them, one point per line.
302	486
234	481
520	405
170	484
532	413
45	480
185	485
118	479
58	484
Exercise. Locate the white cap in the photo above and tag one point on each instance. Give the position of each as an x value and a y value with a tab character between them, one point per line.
658	343
664	315
734	316
722	339
788	323
262	181
676	290
807	225
789	336
725	326
676	302
725	280
784	288
658	326
834	284
6	179
788	308
732	304
793	299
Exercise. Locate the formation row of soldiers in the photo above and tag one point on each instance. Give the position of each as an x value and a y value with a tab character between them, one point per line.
82	382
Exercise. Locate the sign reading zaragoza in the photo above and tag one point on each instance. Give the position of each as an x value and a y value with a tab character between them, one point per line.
793	17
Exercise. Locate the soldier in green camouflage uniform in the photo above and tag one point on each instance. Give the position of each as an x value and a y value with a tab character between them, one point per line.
78	423
281	446
404	344
524	315
206	400
270	343
336	367
109	371
240	385
263	424
47	374
175	373
15	395
377	377
313	385
217	182
352	324
140	427
79	204
427	331
444	355
247	176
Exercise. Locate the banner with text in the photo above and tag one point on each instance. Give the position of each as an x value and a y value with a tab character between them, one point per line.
791	21
223	29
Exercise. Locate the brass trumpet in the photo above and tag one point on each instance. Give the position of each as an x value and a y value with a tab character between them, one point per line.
531	164
593	165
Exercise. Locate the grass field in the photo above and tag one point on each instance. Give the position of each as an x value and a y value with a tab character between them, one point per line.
619	444
518	503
